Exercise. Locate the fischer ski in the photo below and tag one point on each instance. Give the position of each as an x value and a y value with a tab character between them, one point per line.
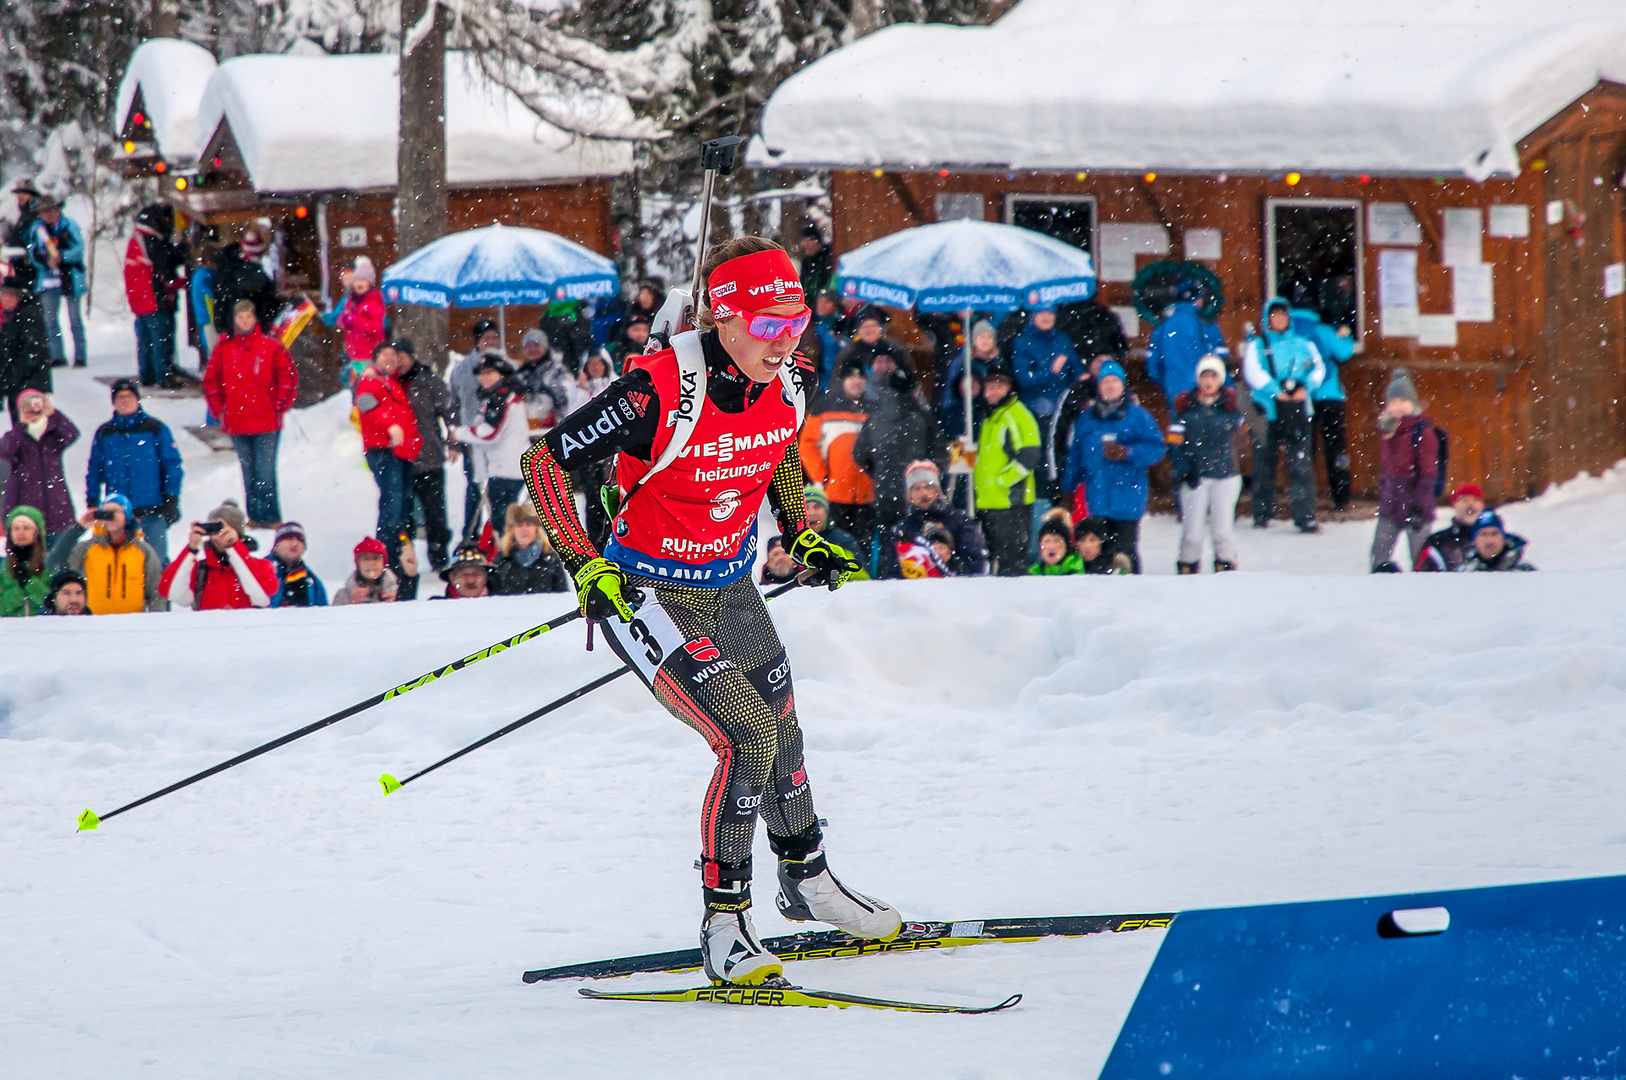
829	944
778	994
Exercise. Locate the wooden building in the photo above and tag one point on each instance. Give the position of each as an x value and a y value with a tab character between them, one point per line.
1475	233
309	145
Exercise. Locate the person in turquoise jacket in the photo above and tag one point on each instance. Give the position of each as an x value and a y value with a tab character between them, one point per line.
1114	443
1283	368
1336	347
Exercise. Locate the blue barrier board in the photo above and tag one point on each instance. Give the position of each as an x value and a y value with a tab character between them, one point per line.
1523	981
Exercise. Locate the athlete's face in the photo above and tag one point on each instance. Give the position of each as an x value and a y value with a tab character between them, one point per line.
759	360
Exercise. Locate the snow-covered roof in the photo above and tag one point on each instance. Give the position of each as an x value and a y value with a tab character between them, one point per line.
329	123
171	76
1442	86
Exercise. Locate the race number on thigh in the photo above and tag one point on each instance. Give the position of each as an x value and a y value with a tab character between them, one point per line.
648	639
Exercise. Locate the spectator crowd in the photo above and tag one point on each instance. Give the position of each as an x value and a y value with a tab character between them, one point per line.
1046	471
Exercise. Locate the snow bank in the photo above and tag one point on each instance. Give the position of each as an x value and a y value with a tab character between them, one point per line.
979	748
171	76
1187	85
328	123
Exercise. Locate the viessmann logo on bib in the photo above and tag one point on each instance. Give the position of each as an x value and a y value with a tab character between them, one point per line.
727	445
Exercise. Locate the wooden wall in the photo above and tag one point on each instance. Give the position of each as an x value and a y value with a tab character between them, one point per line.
1504	392
578	211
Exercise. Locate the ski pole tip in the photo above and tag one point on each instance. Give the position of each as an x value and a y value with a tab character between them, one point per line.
87	821
387	782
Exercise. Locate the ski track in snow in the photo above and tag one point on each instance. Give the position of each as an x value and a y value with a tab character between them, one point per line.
980	748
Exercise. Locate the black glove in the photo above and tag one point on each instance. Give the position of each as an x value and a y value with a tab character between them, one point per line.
170	508
1193	481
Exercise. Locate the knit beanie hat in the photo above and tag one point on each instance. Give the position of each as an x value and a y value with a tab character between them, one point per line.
1401	386
1057	527
232	515
1488	519
1211	363
921	472
980	327
1111	368
289	530
371	545
121	385
814	493
123	503
365	271
1091	526
1465	490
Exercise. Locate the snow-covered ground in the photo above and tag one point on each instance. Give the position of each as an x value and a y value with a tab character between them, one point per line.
979	748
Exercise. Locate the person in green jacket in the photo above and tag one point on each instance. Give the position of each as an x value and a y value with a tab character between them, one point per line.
1056	555
1008	451
24	584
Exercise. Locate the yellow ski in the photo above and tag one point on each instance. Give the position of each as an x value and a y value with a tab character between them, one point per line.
778	994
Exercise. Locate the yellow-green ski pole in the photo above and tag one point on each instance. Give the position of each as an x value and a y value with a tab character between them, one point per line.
89	820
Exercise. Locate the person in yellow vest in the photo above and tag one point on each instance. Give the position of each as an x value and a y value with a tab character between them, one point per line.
121	569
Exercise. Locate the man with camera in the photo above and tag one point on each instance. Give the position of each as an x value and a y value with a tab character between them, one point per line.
120	568
216	571
1282	367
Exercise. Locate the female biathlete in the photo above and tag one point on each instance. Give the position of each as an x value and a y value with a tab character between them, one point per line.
702	431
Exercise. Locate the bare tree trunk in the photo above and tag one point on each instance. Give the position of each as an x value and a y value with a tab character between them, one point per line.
420	196
866	17
165	21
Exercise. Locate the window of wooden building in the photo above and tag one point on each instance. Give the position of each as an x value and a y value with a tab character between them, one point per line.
1314	258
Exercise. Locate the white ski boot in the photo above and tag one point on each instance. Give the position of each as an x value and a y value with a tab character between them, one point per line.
809	892
732	952
729	947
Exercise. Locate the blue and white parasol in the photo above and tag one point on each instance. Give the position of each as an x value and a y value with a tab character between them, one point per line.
967	264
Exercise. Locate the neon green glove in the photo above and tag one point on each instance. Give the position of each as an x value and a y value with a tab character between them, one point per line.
603	591
832	565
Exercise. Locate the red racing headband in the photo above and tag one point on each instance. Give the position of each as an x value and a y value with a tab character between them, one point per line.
753	282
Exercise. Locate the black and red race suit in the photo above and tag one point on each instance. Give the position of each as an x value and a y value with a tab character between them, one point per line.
702	639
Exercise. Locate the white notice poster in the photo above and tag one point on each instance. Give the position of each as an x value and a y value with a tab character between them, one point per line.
1510	221
1397	279
1121	243
1473	293
1202	244
1437	331
1129	319
1392	223
1399	322
1614	280
1464	241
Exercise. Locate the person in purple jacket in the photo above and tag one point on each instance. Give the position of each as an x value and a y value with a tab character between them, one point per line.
1411	462
34	449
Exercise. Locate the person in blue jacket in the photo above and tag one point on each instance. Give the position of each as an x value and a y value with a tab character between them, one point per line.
56	247
1336	347
134	455
1114	443
1283	368
1045	363
1179	341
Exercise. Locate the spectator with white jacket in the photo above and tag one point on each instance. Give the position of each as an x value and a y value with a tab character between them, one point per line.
497	434
1202	448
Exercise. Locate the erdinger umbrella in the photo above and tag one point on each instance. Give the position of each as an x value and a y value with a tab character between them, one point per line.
497	266
967	265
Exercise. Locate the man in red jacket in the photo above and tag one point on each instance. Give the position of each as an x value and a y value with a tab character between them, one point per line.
389	435
219	575
249	383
